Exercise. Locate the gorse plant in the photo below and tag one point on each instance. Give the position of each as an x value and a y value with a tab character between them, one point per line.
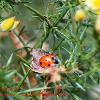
68	28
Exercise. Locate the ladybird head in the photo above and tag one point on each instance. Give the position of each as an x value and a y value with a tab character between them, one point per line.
48	60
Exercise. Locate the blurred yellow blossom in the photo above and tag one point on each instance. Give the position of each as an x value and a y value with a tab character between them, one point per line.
93	5
80	15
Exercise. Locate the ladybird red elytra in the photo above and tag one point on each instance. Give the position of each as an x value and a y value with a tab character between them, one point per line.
42	61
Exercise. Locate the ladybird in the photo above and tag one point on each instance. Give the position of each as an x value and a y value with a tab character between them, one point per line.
48	60
42	61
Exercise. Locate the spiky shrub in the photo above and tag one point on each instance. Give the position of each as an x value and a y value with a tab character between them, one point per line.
76	43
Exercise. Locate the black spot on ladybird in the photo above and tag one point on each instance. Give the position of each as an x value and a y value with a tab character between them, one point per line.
40	63
48	64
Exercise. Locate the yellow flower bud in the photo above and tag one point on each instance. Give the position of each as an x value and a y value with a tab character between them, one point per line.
80	15
97	24
7	24
94	5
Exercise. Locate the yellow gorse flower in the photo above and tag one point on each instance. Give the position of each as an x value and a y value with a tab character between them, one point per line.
9	24
80	15
93	5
